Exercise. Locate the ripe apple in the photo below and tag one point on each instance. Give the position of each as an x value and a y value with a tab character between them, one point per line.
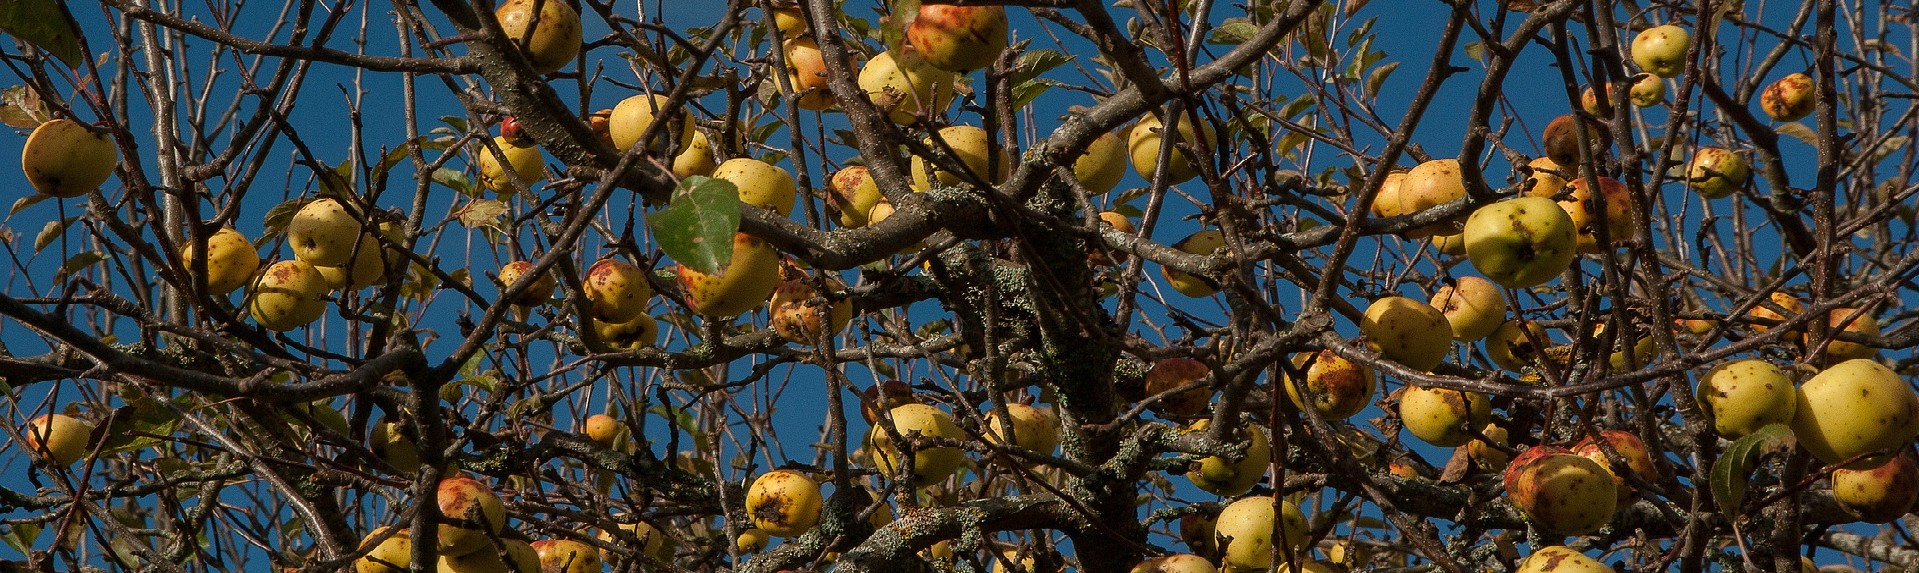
1407	331
634	115
1225	477
641	332
1641	352
1560	559
1197	531
1515	343
885	395
617	290
1661	50
537	293
854	193
1784	301
521	555
523	160
760	184
1855	407
231	261
753	540
607	431
371	263
696	159
902	84
1335	387
742	286
1842	320
1545	177
1031	428
1561	140
1441	416
553	42
1103	164
388	440
1247	528
1117	219
474	514
1169	373
65	159
601	122
1637	456
1647	90
1564	493
566	556
1143	145
287	296
1716	172
1882	494
58	438
1583	208
1451	245
1790	98
806	74
1429	185
1201	243
392	555
784	503
800	318
1742	397
930	464
791	21
323	233
1521	242
1178	563
653	543
1387	203
970	145
1484	454
1472	305
959	38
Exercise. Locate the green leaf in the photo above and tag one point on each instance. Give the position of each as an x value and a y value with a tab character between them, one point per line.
1377	78
51	232
46	25
697	227
1233	32
484	213
1733	469
277	219
77	262
457	180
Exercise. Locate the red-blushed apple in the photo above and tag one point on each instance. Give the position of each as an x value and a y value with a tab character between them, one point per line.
958	38
1170	373
1768	315
806	74
1631	450
854	193
616	289
1790	98
1562	492
1584	207
1847	320
474	514
1882	494
58	438
744	284
803	315
1335	387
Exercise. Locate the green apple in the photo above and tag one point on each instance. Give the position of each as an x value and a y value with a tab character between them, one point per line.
1742	397
1521	242
1661	50
1441	416
1856	407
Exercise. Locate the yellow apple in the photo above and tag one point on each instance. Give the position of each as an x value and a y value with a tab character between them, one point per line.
1742	397
58	438
1841	320
617	290
1661	50
1716	172
1441	416
230	261
959	38
1200	243
801	315
1521	242
65	159
753	540
1226	477
1144	142
1485	455
806	74
1031	428
785	503
696	159
1247	528
1790	98
1545	177
1560	559
1853	408
474	515
287	296
1429	185
388	440
1882	494
1335	387
634	115
1583	207
1564	493
854	193
1103	164
1472	305
902	84
1179	563
391	555
760	184
931	464
323	233
641	332
550	38
1407	331
742	286
1514	345
970	145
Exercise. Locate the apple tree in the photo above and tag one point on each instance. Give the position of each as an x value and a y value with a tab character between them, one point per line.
1012	285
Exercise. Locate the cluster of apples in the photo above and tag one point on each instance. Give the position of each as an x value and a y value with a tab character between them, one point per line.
474	538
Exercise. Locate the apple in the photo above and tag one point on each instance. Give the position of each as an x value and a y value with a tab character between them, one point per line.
1637	457
854	193
634	115
1177	563
1169	373
791	21
1545	177
474	514
1144	141
1407	331
1386	203
550	39
1789	98
1335	387
970	145
1842	320
696	159
65	159
601	123
1583	208
230	261
1661	50
1103	164
536	293
1226	477
1716	172
1118	220
1641	352
641	332
1882	494
1201	243
1031	428
753	540
1452	245
607	431
653	543
743	285
394	554
1473	306
371	262
785	503
1743	396
489	560
760	184
1560	559
1197	531
1429	185
287	296
902	84
388	440
524	161
323	233
931	464
1855	407
1647	90
1786	302
1514	345
617	290
959	38
1441	416
1247	527
1521	242
806	74
58	438
884	396
1487	456
1563	493
800	317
